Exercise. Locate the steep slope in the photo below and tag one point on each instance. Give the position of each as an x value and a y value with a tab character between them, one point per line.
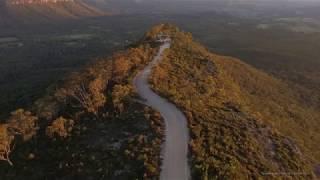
244	123
29	11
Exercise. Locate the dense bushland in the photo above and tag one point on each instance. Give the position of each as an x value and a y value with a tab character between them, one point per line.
88	126
244	123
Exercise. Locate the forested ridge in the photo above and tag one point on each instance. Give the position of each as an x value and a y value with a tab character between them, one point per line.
88	126
244	123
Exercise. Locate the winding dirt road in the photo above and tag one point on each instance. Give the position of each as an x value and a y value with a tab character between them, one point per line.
175	161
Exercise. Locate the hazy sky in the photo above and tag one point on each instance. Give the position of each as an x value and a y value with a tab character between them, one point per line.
236	0
227	1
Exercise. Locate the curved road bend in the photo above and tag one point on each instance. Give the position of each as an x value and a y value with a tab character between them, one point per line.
175	161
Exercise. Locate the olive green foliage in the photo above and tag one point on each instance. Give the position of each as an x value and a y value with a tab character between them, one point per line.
243	122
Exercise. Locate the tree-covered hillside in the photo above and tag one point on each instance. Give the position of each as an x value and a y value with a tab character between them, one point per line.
243	122
89	126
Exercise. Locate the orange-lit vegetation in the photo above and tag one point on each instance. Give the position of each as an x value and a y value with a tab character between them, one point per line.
5	144
21	126
88	126
60	127
244	123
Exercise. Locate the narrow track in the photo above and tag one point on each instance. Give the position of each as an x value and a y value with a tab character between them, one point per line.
175	150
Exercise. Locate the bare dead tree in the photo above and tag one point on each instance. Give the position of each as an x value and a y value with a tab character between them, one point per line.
5	153
82	96
6	146
91	98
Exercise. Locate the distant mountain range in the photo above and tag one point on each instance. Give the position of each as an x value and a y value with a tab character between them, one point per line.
46	10
25	2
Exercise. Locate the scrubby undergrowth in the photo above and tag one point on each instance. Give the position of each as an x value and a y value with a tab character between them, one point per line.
87	127
244	123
